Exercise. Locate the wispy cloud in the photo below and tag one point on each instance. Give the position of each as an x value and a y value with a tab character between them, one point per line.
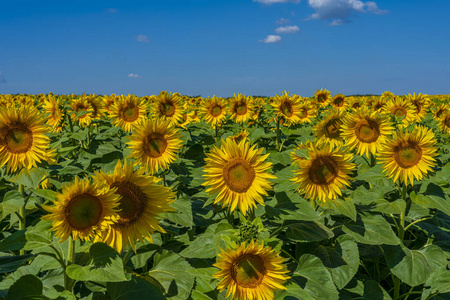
287	29
2	78
282	21
132	75
142	38
341	10
111	10
271	39
269	2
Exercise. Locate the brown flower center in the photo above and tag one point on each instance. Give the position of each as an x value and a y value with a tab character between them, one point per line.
407	154
399	111
338	101
286	108
132	203
167	108
83	211
248	271
240	108
332	128
130	113
323	170
154	145
367	131
239	175
19	139
215	110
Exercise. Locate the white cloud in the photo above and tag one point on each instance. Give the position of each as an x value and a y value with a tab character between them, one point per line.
341	9
287	29
2	79
282	21
111	10
271	39
132	75
142	38
337	22
269	2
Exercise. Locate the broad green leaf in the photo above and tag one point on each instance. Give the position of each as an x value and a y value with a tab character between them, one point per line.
293	291
29	178
172	272
396	207
10	263
39	236
312	276
413	266
290	206
8	281
183	214
372	230
105	265
439	281
345	207
308	231
136	288
12	202
27	287
15	241
373	291
431	196
46	194
341	259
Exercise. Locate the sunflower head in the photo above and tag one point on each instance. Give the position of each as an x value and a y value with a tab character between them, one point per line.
155	144
388	95
243	135
322	97
82	111
168	107
127	112
440	110
444	122
238	173
23	140
324	173
251	271
409	155
421	103
329	129
53	108
401	110
339	102
214	111
241	108
82	210
108	101
141	200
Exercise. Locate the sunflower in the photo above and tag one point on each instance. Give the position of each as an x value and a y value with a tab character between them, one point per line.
250	272
306	111
401	108
440	110
388	95
329	129
127	112
444	122
56	115
324	173
23	142
409	154
421	103
322	97
168	107
214	111
238	173
288	108
82	210
366	131
155	144
378	104
82	111
108	101
141	200
339	102
97	106
241	108
243	135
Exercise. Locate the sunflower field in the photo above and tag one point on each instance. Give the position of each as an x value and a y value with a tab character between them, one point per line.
176	197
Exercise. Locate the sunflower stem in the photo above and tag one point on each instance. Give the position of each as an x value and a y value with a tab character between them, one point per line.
278	135
372	160
417	221
70	259
401	235
22	213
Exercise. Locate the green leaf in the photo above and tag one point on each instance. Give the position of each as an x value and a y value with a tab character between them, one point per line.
10	263
15	241
312	276
136	288
293	291
208	244
345	207
46	194
106	265
439	281
172	272
373	291
431	196
371	230
183	214
308	232
341	259
12	202
414	266
38	236
395	207
29	178
290	206
27	287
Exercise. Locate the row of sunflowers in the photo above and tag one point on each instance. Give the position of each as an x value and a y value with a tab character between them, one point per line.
210	198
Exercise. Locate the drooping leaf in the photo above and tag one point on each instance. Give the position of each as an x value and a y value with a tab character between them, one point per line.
27	287
136	288
308	231
372	230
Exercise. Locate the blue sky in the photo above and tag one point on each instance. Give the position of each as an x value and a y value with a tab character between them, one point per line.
222	47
